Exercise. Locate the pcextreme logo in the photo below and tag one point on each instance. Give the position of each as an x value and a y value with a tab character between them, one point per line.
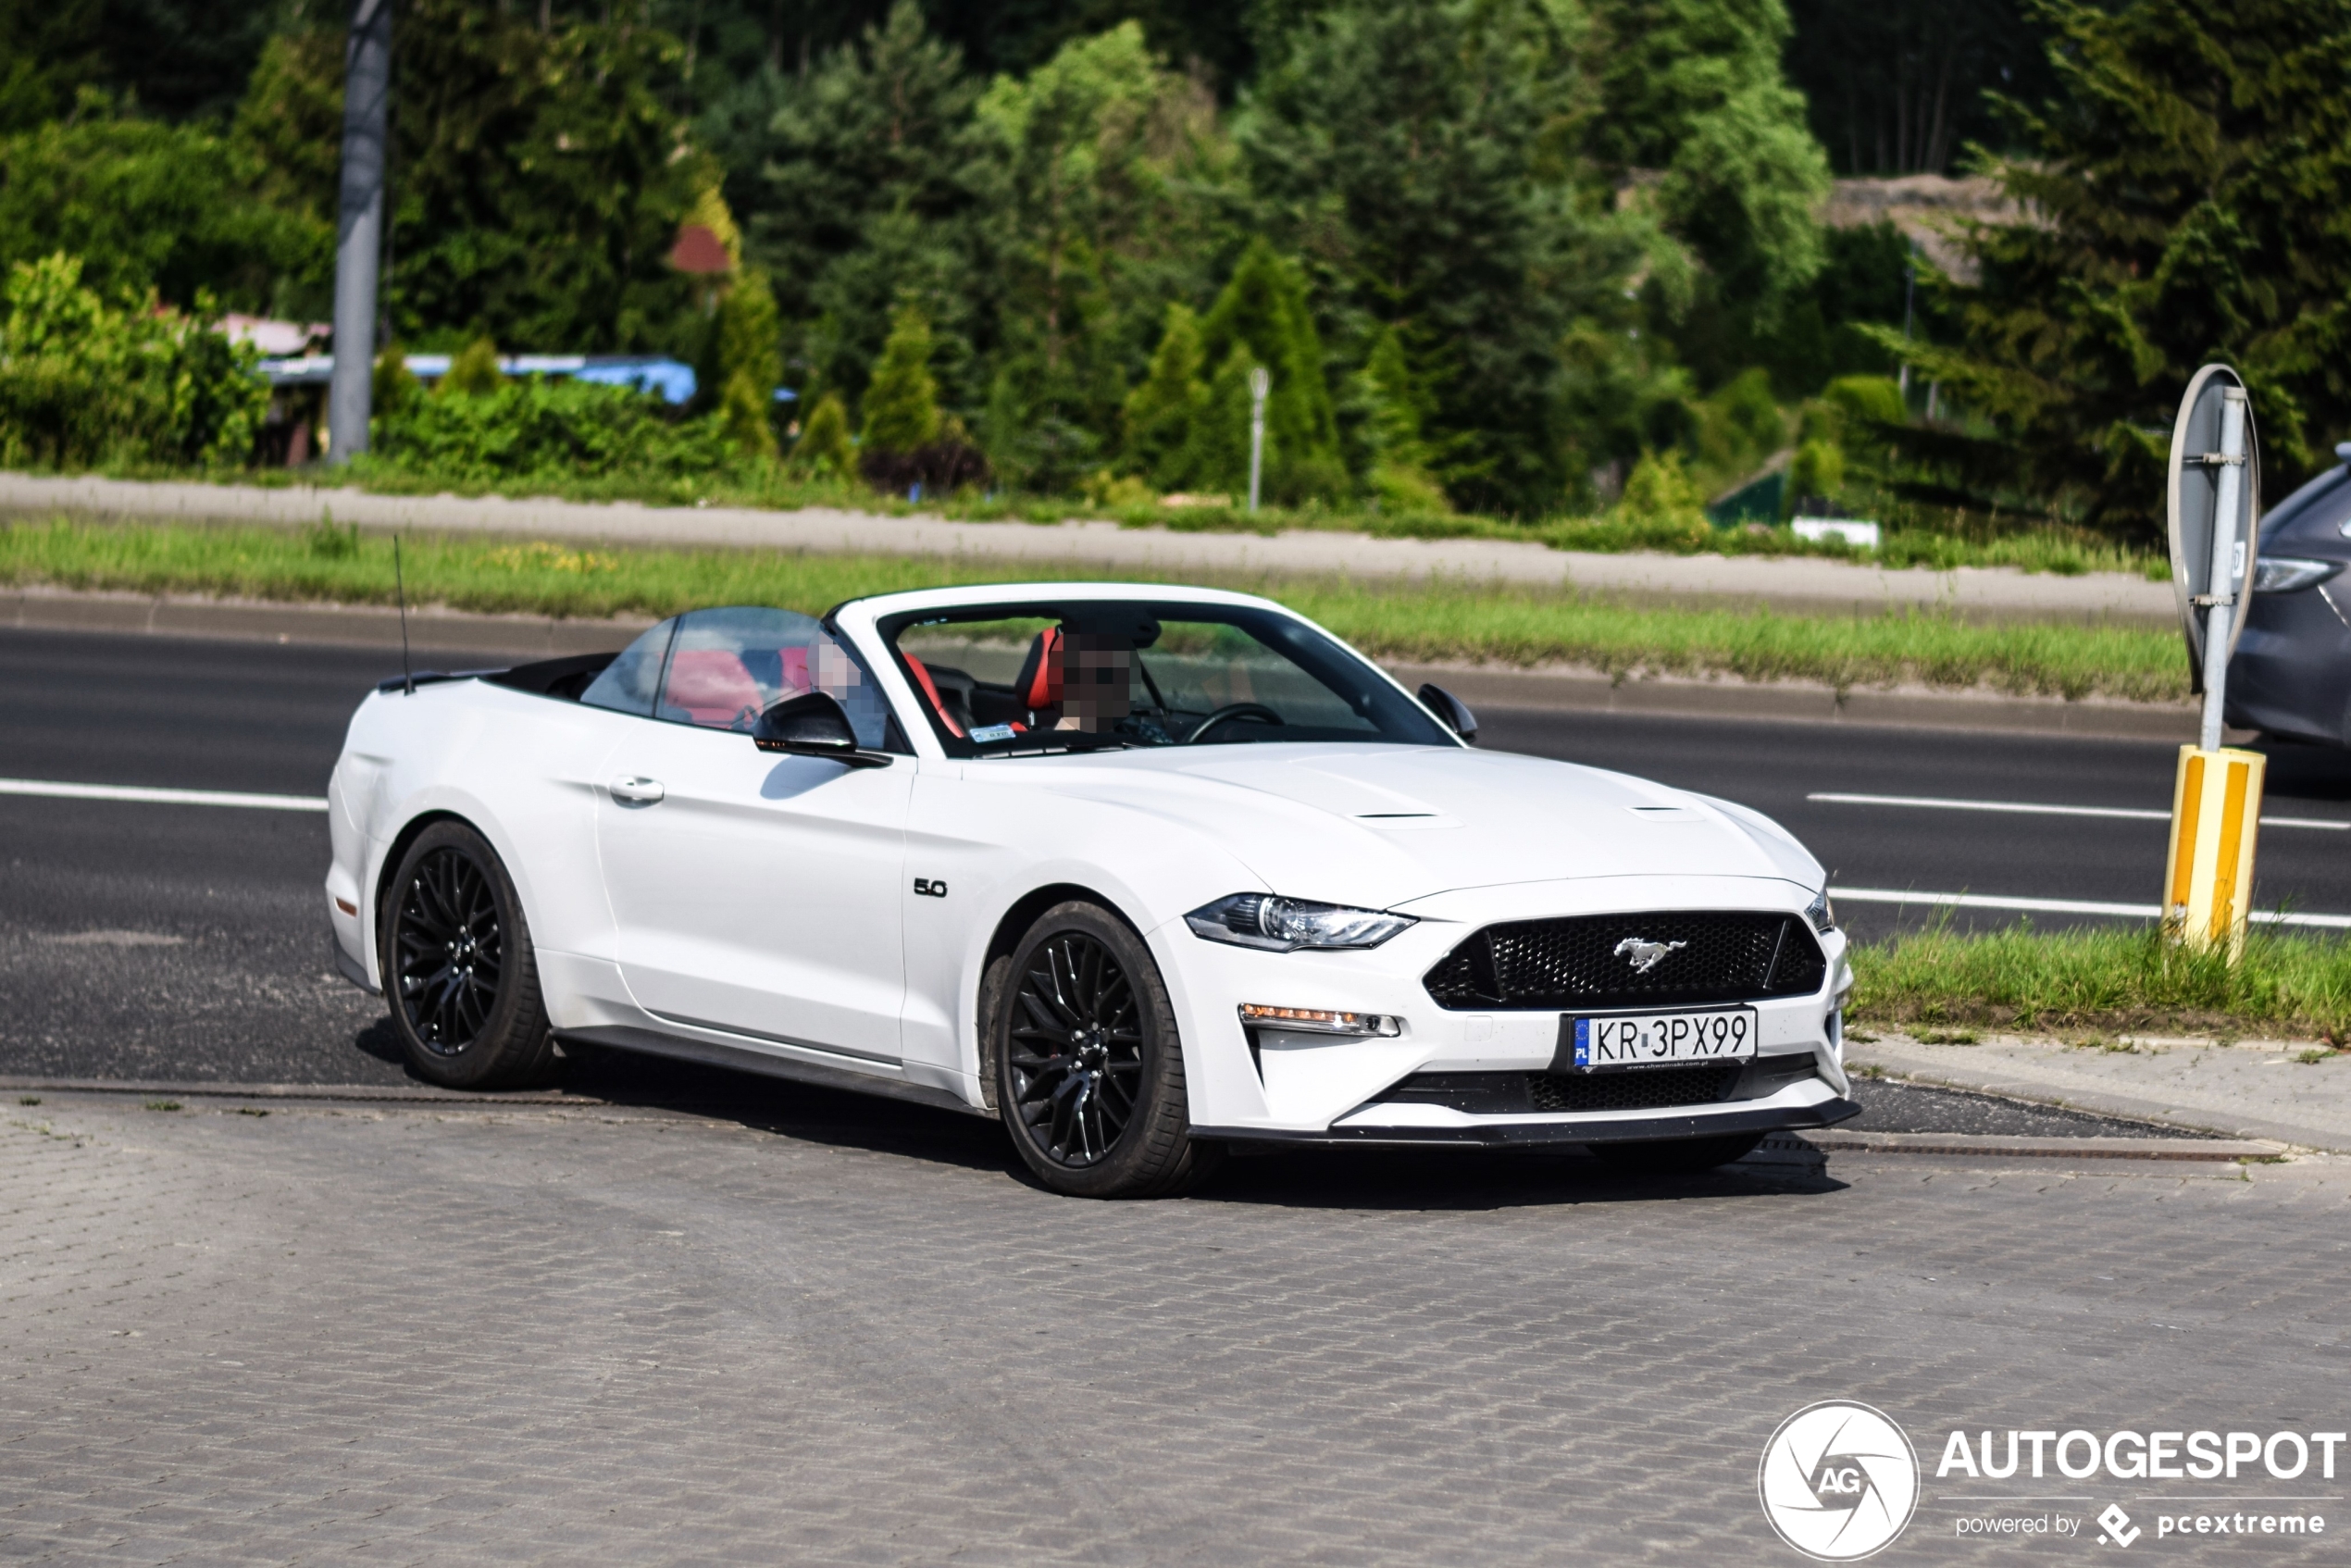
1838	1481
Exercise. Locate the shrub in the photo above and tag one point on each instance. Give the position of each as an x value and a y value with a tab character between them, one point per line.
540	429
901	402
473	373
82	382
824	448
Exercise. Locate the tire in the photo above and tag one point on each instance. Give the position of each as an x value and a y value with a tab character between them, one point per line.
1088	1067
458	967
1679	1156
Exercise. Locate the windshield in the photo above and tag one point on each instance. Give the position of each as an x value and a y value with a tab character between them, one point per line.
1015	679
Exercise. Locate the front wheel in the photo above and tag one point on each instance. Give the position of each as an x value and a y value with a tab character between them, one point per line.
458	966
1089	1071
1678	1156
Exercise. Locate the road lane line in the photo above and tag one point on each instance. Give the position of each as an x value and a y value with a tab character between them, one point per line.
2071	906
56	791
1938	803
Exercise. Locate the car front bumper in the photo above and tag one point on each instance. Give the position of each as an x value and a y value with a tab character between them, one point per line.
1269	1085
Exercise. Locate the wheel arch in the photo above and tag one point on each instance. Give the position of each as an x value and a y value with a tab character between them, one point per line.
1017	917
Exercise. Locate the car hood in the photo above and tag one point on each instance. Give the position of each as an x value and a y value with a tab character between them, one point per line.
1383	825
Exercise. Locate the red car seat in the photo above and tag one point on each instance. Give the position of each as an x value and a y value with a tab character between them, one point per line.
709	686
1038	685
929	689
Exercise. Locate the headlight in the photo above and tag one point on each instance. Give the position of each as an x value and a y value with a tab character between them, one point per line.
1278	925
2283	574
1821	912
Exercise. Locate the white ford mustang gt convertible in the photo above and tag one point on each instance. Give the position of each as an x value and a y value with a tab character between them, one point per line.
1145	872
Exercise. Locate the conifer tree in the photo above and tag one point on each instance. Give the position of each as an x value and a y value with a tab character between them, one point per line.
743	415
1162	412
824	448
1264	309
473	373
2188	186
745	337
902	401
1398	472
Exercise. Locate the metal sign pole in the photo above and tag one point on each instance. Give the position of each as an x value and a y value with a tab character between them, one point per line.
1259	384
2214	502
2228	564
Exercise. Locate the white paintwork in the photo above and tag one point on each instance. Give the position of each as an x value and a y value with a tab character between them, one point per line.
679	880
754	893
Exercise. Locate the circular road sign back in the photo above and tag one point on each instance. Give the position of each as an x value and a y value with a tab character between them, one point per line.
2194	496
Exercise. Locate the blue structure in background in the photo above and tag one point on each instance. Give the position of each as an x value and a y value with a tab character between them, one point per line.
671	379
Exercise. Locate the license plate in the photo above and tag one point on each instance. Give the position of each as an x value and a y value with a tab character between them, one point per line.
1658	1040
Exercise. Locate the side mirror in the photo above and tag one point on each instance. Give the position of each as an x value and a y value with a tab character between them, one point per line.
1451	709
812	725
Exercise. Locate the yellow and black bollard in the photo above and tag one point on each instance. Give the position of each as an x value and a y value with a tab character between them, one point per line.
2216	817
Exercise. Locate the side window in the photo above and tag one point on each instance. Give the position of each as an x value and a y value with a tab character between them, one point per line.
725	667
627	684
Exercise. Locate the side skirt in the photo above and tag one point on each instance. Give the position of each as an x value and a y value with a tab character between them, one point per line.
620	1037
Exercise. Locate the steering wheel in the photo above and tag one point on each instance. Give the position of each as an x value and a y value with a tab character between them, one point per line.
1230	712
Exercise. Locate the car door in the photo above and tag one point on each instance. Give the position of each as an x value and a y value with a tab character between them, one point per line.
754	893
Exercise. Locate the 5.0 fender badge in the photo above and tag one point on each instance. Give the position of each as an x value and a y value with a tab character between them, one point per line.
928	889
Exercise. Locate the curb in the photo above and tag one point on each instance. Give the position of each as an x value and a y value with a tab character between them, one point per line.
2214	1149
401	1094
449	635
2163	1112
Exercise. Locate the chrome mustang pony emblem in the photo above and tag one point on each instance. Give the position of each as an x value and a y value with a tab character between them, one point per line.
1646	955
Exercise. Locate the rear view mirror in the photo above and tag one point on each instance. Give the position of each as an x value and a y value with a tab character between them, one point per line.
812	725
1451	709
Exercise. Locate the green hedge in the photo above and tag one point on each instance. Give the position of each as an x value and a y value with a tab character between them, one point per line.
84	383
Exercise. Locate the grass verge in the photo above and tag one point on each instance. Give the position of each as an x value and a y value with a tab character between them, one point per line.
1431	622
1962	542
2105	981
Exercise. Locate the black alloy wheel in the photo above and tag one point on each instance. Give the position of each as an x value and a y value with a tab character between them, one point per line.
1088	1066
1077	1050
451	951
459	970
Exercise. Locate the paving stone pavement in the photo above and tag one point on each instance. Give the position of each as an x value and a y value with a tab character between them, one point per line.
840	1331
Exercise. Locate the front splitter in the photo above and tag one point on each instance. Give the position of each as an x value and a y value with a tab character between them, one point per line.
1517	1135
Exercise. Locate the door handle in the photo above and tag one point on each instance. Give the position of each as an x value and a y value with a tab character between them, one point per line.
637	791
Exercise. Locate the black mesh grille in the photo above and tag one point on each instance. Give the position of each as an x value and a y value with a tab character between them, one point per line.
1587	961
1648	1089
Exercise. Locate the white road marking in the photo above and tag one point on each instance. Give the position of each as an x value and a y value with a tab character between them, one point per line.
1937	803
2069	906
160	796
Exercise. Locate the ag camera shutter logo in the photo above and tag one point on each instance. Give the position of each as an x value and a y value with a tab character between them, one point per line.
1838	1481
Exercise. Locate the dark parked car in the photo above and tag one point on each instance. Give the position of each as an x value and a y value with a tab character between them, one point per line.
2291	677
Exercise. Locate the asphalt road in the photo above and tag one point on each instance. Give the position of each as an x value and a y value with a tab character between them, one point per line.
159	941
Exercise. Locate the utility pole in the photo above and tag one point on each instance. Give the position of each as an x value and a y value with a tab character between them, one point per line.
360	230
1260	384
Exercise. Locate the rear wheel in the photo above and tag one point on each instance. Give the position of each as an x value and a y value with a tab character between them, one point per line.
458	967
1678	1156
1089	1071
